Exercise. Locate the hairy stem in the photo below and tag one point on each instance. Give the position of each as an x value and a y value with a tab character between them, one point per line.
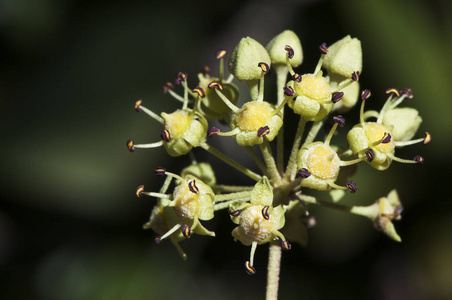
274	266
270	161
292	164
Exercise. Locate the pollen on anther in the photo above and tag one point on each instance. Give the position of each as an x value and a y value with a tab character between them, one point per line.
393	91
220	54
370	154
288	91
192	187
418	159
160	171
137	105
200	91
296	77
130	145
337	96
265	67
407	92
428	138
263	131
323	48
303	173
180	77
286	246
250	270
386	138
205	70
235	213
339	120
186	231
290	51
215	85
352	187
265	212
165	135
158	240
365	94
212	132
355	76
139	191
168	86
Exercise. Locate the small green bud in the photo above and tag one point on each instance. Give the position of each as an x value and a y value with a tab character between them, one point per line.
245	58
186	130
344	57
406	122
277	52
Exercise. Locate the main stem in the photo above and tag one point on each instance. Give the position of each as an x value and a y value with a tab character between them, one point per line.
274	265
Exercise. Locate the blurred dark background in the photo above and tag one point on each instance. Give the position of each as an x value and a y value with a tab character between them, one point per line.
70	224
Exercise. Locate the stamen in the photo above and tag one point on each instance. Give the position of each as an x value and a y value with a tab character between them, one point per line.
351	186
186	231
393	92
323	48
137	105
220	54
250	270
263	131
235	213
130	145
265	212
288	91
407	92
180	77
160	171
192	187
158	240
337	96
165	135
168	86
303	173
428	138
265	67
205	70
296	77
290	52
355	76
199	90
212	132
215	85
418	159
370	154
365	94
339	120
286	246
139	191
386	138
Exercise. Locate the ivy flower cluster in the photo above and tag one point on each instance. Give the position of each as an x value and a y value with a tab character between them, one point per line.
275	209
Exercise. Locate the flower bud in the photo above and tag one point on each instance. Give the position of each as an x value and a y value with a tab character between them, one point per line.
344	57
245	58
277	52
406	122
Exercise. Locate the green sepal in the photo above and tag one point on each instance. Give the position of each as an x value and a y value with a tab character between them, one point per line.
262	193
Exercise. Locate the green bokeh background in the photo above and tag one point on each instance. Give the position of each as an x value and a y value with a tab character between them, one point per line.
70	224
